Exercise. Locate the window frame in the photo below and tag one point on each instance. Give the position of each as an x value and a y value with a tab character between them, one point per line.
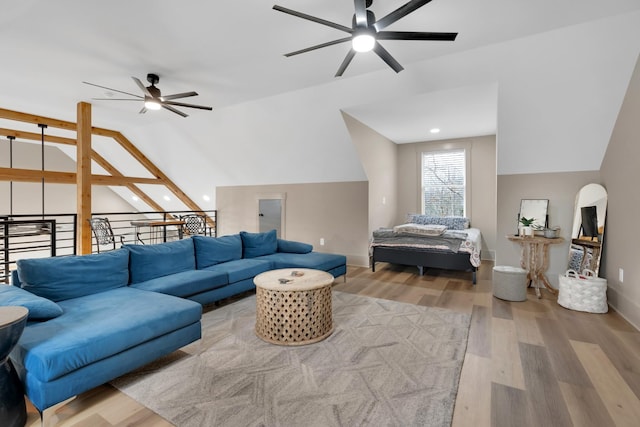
467	184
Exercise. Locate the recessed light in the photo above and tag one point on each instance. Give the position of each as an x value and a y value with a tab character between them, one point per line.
167	198
135	198
206	198
435	130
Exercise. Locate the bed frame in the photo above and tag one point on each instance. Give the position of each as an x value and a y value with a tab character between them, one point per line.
423	258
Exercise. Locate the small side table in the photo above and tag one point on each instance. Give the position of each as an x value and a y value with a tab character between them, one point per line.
535	259
293	306
13	412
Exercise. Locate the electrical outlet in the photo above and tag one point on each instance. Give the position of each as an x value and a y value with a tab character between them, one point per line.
621	275
384	200
322	241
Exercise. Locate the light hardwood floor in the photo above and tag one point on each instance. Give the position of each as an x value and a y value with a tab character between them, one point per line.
530	363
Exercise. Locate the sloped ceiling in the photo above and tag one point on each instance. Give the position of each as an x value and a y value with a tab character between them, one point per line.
549	76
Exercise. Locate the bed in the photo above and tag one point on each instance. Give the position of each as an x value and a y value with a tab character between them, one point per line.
433	242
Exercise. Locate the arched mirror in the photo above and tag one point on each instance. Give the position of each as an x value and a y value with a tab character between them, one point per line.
588	228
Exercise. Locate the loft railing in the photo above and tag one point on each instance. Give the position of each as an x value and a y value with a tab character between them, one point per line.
37	236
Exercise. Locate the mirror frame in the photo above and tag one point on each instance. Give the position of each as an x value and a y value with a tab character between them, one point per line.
536	208
589	195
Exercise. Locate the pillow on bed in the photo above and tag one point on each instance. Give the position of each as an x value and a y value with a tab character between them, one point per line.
451	222
420	229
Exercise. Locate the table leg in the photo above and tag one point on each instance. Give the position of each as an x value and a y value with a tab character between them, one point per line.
533	264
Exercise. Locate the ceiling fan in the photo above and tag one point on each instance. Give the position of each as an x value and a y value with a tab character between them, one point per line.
365	32
153	99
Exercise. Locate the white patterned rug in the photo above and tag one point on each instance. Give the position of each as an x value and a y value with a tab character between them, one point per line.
386	364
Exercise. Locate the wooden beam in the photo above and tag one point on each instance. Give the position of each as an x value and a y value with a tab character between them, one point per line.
153	169
36	136
53	177
135	190
83	177
36	175
31	118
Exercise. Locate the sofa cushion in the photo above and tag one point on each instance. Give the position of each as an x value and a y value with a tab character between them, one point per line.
39	308
241	269
214	250
290	246
185	283
150	261
88	331
315	260
259	244
66	277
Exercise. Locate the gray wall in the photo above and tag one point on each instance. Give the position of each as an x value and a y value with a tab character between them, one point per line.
621	176
561	190
336	212
379	157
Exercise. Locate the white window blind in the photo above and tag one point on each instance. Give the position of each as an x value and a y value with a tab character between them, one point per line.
443	183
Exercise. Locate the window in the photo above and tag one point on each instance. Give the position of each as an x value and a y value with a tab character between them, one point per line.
444	183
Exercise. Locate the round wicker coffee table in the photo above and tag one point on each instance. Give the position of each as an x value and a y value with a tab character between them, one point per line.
293	306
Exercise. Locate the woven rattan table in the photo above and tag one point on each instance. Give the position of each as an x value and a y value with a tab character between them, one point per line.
293	306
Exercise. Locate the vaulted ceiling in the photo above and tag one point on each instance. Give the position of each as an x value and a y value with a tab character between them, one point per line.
547	77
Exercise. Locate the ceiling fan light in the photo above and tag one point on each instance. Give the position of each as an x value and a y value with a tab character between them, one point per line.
363	42
152	104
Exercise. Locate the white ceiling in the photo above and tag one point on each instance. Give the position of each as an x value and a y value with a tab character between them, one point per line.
511	62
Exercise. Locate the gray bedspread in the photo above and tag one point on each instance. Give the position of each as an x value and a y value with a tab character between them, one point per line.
451	239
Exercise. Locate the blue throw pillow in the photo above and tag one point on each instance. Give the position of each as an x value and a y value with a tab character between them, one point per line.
294	247
39	308
215	250
150	261
259	244
66	277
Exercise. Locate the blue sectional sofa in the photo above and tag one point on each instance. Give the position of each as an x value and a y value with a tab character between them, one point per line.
93	318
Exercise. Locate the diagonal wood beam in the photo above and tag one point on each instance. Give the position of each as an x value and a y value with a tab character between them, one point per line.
153	169
132	187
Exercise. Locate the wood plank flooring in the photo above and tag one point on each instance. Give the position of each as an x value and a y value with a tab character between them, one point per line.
530	363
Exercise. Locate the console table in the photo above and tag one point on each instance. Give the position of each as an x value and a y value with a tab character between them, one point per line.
535	259
12	407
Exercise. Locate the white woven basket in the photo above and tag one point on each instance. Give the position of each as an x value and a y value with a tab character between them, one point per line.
584	292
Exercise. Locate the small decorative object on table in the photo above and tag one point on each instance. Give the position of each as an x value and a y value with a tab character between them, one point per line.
296	273
526	229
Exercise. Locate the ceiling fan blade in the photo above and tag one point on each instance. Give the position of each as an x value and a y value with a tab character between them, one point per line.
179	95
361	12
318	46
181	104
142	87
114	90
116	99
313	18
386	57
346	62
412	35
144	110
400	12
173	110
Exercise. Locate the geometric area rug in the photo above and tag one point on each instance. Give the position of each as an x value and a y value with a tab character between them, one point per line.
386	364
